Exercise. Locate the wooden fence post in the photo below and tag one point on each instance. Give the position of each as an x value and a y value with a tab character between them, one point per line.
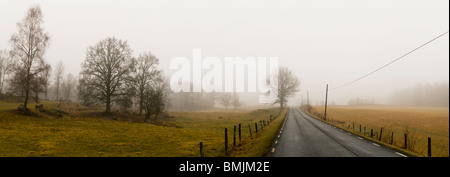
201	149
429	146
371	133
392	138
406	141
250	130
381	133
353	126
234	136
256	127
239	132
226	141
359	128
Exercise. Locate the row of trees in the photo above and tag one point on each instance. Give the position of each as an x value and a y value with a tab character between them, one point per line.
361	102
428	94
110	75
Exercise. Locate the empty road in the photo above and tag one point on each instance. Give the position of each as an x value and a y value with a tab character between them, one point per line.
304	136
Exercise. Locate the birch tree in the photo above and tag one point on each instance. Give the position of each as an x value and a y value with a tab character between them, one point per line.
28	47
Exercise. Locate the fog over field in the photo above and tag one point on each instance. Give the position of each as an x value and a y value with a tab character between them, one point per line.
322	42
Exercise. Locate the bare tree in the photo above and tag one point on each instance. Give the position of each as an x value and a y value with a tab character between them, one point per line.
145	71
288	84
28	47
46	81
5	67
235	101
106	72
59	73
225	99
156	97
67	87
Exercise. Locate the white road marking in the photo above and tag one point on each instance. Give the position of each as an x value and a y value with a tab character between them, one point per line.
359	138
376	144
400	154
281	131
349	133
341	130
273	149
278	136
276	141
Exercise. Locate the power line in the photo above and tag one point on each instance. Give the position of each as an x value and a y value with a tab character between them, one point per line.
404	55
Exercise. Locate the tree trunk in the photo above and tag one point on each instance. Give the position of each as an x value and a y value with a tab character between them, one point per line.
147	115
108	104
141	106
26	99
46	90
281	104
156	116
57	91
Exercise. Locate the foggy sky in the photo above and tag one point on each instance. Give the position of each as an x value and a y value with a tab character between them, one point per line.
322	41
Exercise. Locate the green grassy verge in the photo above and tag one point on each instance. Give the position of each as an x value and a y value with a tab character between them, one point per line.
262	142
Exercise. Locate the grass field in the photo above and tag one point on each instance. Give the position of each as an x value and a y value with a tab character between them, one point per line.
79	131
418	122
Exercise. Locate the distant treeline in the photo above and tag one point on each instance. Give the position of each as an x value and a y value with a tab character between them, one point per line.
361	102
435	95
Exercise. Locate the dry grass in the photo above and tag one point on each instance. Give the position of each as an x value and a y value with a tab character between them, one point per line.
419	122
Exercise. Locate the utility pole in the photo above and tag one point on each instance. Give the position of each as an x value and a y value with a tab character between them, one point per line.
326	98
301	101
307	97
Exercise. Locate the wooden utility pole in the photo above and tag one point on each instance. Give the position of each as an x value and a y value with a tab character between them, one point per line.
307	97
326	99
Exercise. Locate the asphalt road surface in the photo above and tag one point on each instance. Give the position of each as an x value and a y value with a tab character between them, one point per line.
304	136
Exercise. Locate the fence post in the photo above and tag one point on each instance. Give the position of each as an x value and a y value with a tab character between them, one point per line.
371	133
364	131
250	130
226	141
353	126
359	128
234	136
201	149
239	132
381	133
406	141
429	146
256	127
392	138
